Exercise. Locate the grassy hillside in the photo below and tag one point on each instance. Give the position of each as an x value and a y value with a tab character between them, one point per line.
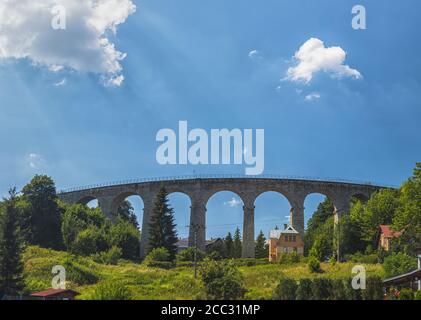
84	275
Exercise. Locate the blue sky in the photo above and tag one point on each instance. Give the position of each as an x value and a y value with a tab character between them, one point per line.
189	60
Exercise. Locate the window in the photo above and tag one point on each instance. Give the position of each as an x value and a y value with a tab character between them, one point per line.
286	238
294	238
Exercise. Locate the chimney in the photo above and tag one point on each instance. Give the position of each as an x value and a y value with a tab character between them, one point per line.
285	226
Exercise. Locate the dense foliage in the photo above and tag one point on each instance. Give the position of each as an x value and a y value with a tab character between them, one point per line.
222	280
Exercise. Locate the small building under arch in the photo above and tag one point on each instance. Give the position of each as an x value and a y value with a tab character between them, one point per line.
285	241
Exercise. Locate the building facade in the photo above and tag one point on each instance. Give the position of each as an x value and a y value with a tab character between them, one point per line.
284	241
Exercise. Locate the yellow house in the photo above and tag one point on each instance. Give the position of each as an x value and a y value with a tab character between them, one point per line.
285	241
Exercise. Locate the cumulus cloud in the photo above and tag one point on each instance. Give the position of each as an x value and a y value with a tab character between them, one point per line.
314	57
26	32
312	96
233	202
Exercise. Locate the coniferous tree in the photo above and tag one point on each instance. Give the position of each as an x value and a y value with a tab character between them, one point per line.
162	229
261	249
237	244
11	266
229	246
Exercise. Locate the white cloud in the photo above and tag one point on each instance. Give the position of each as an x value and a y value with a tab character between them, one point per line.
61	83
314	57
233	202
312	96
84	46
255	54
34	160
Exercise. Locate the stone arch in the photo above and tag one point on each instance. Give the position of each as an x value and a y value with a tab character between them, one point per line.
86	199
178	218
118	199
279	196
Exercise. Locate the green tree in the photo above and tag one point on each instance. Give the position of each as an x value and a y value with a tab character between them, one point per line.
44	213
408	217
399	263
229	246
126	236
380	209
237	246
11	267
162	227
261	248
316	222
78	218
322	247
126	212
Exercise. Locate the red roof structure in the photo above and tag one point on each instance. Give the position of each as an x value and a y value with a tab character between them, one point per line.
387	231
56	293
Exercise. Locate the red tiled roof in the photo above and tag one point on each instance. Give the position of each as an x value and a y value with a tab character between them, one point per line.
53	292
387	231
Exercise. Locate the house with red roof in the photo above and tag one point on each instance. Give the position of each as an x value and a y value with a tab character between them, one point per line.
56	294
386	236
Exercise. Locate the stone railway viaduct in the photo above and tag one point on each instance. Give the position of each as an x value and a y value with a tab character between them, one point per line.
201	189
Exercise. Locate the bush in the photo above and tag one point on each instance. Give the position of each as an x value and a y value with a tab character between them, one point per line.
417	295
304	290
350	292
289	258
188	255
157	254
110	290
338	290
314	265
321	288
222	280
374	289
108	257
406	294
398	263
286	289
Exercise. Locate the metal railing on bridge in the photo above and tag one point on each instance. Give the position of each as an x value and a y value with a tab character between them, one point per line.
220	176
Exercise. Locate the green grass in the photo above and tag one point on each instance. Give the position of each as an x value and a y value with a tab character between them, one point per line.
153	283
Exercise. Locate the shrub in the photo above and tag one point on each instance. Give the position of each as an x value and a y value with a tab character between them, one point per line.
338	290
188	255
289	258
321	288
304	290
406	294
417	295
374	289
110	290
157	254
108	257
286	289
350	292
314	265
222	280
398	263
